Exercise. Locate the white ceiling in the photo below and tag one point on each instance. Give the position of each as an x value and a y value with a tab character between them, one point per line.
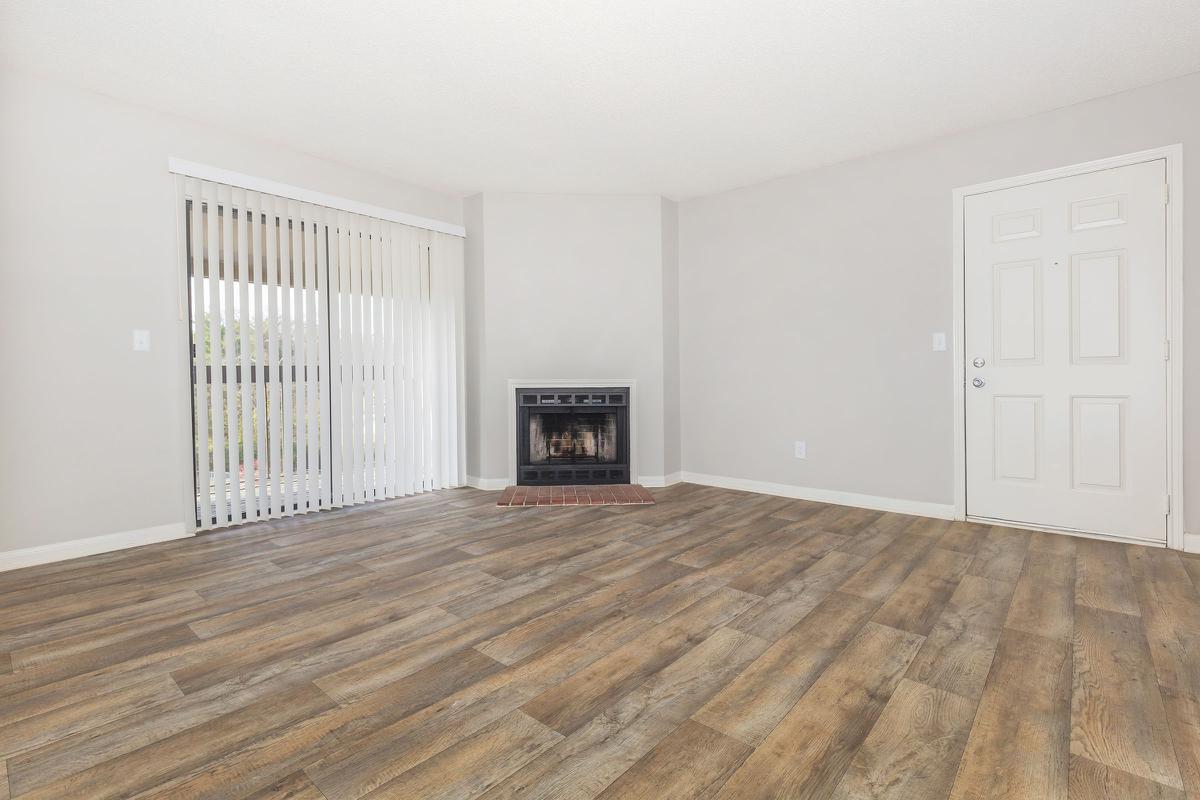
674	97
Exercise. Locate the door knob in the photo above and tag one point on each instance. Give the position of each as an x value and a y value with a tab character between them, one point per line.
978	382
979	362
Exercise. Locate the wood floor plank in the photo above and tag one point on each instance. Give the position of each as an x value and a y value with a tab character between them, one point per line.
880	576
579	698
957	653
1089	780
474	765
521	641
1019	742
965	537
809	751
1044	600
738	540
1117	714
769	575
783	608
353	769
684	765
1183	717
1191	564
918	601
912	752
289	748
750	707
1170	607
148	766
89	712
1103	579
80	751
590	758
294	787
367	675
1001	555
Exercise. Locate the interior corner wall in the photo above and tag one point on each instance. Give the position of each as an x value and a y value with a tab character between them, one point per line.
476	339
567	286
96	437
670	294
807	303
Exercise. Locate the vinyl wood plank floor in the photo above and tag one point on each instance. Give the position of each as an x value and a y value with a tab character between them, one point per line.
718	644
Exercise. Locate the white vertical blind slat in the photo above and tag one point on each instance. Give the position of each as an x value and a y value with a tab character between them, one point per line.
389	360
311	373
356	344
444	404
232	420
274	376
367	354
346	365
246	409
457	264
287	340
259	320
425	382
204	509
217	384
300	350
327	396
378	433
412	361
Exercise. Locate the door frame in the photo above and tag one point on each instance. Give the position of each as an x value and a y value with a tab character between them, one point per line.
1173	155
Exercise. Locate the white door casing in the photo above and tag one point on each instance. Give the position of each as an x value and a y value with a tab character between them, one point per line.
1065	301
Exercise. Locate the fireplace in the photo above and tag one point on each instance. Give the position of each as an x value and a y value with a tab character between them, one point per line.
572	436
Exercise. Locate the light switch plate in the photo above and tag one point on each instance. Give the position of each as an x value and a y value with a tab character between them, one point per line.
141	340
939	342
801	450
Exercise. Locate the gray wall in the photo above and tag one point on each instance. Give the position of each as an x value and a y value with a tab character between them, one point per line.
807	303
564	286
95	436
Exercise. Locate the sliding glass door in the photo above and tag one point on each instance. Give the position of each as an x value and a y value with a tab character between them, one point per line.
326	352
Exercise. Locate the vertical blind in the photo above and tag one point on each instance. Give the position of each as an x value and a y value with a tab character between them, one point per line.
326	355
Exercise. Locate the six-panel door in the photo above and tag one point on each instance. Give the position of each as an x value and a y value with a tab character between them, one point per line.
1065	322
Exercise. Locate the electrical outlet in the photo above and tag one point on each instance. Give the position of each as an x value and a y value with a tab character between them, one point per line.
801	450
939	342
141	340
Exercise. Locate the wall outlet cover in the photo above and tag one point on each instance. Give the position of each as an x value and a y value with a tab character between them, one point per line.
801	450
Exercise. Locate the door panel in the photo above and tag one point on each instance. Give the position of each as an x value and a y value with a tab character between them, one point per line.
1065	310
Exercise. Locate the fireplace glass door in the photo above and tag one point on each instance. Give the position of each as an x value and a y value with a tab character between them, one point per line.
558	437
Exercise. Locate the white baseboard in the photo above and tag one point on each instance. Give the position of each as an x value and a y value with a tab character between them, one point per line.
915	507
1191	543
657	481
487	484
77	548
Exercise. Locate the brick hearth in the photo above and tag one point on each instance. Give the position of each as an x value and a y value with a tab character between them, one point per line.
606	495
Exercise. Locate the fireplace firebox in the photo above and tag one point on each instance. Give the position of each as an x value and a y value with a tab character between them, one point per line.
572	436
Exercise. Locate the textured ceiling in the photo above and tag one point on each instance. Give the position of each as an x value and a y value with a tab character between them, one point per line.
673	97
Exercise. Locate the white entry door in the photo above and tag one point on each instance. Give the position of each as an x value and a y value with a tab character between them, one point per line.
1065	348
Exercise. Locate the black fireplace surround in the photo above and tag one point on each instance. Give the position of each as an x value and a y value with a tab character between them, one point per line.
572	436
